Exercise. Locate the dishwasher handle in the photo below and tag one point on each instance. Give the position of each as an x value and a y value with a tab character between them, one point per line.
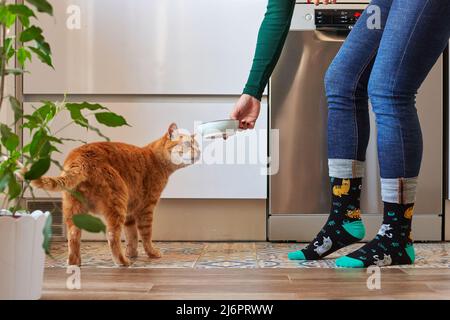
331	34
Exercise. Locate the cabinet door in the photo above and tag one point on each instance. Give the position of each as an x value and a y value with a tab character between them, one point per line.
148	47
228	169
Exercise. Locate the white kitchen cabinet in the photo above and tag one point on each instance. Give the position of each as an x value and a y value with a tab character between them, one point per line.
159	47
150	120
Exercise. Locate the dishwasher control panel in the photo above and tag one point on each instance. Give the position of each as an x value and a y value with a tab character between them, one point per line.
336	19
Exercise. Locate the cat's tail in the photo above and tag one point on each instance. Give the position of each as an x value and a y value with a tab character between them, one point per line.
68	179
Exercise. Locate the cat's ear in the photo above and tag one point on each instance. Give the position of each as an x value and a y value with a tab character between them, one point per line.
173	131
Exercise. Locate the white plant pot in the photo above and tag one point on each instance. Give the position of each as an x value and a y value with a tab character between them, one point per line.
22	256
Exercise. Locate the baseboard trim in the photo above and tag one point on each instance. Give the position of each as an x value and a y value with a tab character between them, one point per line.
303	228
206	220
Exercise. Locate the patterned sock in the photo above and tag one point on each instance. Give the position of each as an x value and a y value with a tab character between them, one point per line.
392	245
344	225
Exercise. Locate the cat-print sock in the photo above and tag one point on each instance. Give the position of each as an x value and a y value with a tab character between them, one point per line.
344	225
392	245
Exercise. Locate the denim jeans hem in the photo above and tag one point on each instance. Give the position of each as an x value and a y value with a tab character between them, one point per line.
346	168
399	190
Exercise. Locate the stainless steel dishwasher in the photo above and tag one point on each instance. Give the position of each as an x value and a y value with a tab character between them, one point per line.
299	192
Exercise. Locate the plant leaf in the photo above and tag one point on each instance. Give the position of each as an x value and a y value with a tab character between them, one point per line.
4	180
16	107
21	10
31	123
6	16
43	56
45	112
42	6
14	189
77	116
38	169
8	48
25	21
54	139
89	223
45	150
9	139
22	55
85	105
38	140
110	119
26	148
44	47
47	234
31	33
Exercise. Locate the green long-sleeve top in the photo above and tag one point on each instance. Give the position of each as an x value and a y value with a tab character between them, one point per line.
271	38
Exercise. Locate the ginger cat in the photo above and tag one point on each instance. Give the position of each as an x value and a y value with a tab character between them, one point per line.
123	183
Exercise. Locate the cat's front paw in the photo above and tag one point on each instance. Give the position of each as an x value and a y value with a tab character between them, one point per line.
154	253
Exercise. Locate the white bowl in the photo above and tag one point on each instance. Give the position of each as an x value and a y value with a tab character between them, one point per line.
218	128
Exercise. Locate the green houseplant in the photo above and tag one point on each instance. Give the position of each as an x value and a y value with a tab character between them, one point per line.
25	234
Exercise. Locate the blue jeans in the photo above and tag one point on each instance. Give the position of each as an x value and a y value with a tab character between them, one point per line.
386	65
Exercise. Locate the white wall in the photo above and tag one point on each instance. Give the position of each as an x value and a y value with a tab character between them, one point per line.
157	62
192	47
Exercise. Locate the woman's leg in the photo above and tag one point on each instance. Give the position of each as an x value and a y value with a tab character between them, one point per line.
348	135
416	33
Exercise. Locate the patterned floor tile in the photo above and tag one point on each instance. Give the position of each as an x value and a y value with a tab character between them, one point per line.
228	255
234	255
97	254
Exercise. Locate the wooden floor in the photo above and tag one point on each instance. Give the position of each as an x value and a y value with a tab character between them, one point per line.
121	283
